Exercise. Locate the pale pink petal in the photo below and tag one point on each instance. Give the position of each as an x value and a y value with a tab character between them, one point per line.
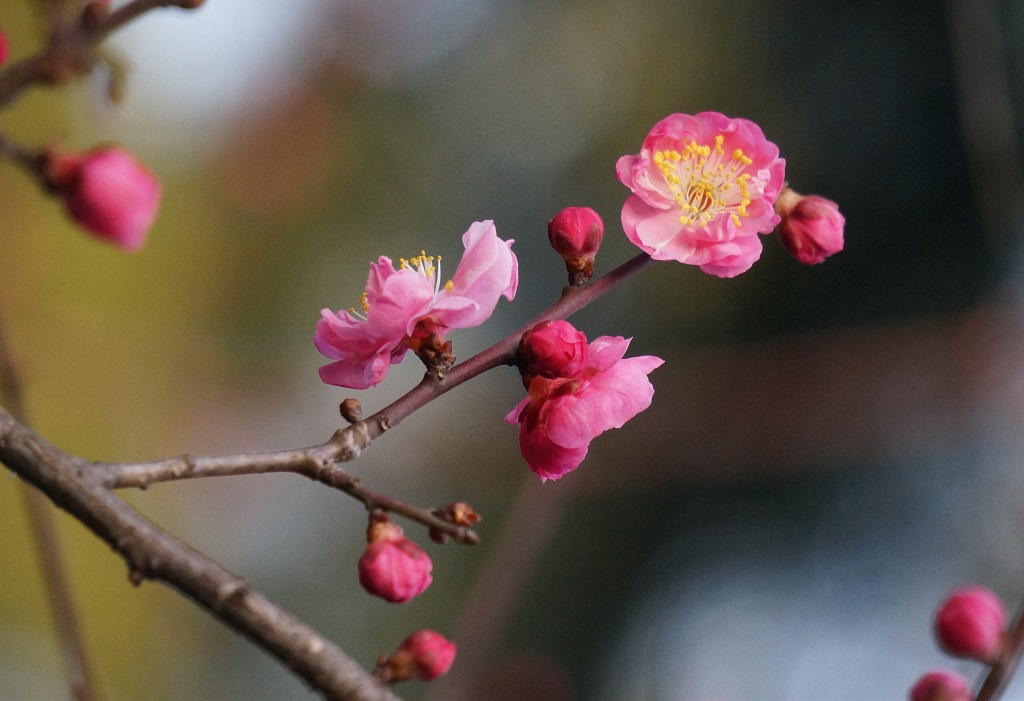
488	270
513	416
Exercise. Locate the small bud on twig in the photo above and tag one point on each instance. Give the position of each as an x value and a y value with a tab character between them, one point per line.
424	655
351	410
576	234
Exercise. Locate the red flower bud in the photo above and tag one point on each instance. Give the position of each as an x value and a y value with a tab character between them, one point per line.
5	50
432	654
941	685
392	566
576	234
552	349
811	228
424	655
970	623
108	192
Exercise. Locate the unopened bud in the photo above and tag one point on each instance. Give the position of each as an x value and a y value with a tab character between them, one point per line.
108	192
971	623
941	685
424	655
811	228
576	234
392	566
351	410
552	349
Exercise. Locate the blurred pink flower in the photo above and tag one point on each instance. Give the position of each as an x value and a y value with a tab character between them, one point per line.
941	685
812	227
971	623
412	302
430	653
703	188
109	193
560	416
5	50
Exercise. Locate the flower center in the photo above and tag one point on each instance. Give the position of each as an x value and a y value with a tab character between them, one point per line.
424	265
705	184
427	266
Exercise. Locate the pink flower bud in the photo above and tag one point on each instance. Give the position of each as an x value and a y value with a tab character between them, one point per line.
576	234
811	228
424	655
431	653
109	193
970	623
5	50
941	685
392	566
552	349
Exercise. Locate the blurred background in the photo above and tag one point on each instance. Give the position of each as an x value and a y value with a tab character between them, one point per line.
830	449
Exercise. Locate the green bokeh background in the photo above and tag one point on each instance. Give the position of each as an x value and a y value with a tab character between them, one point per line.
388	127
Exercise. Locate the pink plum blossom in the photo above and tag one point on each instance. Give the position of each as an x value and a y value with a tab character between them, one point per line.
560	416
703	188
412	302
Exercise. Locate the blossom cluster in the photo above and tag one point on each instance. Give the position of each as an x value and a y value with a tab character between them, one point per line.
704	188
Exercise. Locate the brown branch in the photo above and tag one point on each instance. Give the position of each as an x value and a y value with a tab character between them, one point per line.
319	463
999	677
150	553
69	52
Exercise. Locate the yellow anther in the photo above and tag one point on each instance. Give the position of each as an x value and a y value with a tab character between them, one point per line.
449	285
718	143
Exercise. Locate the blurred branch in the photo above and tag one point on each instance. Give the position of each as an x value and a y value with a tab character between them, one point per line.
150	553
1002	672
69	52
986	114
81	680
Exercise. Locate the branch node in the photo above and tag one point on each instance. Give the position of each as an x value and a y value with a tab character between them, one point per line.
232	590
136	576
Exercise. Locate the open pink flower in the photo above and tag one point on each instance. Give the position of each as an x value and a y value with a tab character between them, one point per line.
703	187
412	302
560	416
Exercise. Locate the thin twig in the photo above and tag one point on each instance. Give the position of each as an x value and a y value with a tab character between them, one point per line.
81	680
69	53
318	463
